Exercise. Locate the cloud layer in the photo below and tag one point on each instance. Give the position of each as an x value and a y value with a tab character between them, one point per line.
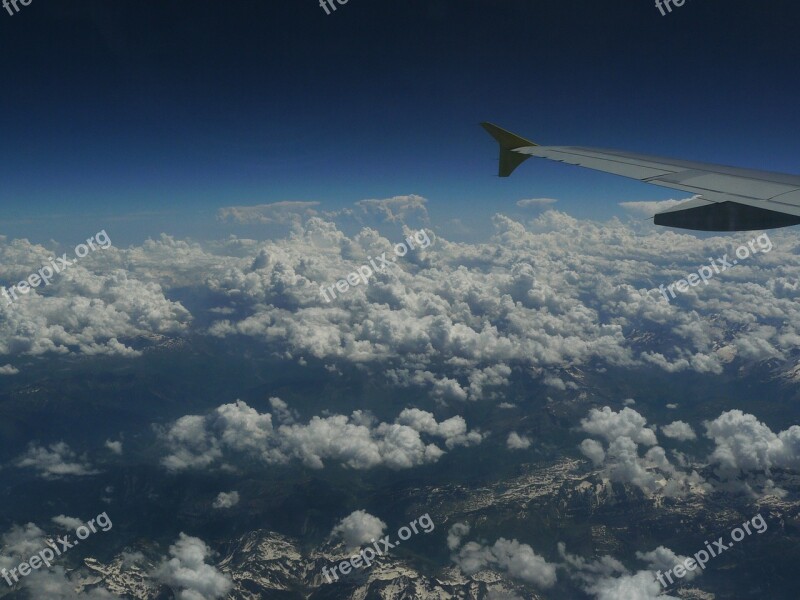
357	442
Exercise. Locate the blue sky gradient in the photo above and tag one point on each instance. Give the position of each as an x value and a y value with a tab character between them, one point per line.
160	113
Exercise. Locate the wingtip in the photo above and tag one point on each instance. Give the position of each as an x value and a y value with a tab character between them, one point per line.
508	142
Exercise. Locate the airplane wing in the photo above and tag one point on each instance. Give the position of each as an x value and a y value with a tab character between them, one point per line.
725	198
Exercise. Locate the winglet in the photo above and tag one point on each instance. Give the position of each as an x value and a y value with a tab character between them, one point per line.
509	160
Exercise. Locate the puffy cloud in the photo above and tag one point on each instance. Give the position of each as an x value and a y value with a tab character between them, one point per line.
456	534
519	560
19	543
679	430
93	307
621	461
66	522
480	379
115	447
611	425
606	578
282	411
589	571
8	370
188	571
357	441
443	313
745	445
639	586
398	209
664	559
452	430
358	528
56	461
226	500
517	442
191	444
593	450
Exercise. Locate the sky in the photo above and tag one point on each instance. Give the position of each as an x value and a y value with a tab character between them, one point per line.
150	116
200	350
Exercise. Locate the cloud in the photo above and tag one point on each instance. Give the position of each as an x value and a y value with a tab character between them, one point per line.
89	308
358	528
226	500
490	377
398	209
452	430
66	522
639	586
611	425
19	543
357	441
621	462
536	202
518	560
606	578
593	450
8	370
743	445
465	324
280	213
191	444
679	430
188	571
649	208
282	412
55	462
664	559
456	534
115	447
450	321
517	442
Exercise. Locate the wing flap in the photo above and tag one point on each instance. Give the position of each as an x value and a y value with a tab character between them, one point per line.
703	215
725	184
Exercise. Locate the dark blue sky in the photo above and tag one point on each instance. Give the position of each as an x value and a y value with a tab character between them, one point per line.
177	108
